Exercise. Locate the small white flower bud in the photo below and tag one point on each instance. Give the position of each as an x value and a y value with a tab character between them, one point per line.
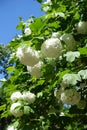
27	31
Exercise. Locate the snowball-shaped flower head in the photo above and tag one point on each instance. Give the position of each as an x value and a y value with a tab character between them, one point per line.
51	48
29	97
56	35
16	109
70	56
16	96
69	41
70	96
27	31
27	55
36	69
11	128
82	27
83	73
71	79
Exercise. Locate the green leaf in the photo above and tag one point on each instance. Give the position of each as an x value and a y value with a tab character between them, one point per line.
10	69
83	50
76	16
16	123
27	110
41	82
38	25
40	94
54	24
20	26
6	114
3	107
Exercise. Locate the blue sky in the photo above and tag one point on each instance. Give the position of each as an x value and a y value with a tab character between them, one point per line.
10	10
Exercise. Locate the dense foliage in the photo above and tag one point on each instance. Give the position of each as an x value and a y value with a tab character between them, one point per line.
46	87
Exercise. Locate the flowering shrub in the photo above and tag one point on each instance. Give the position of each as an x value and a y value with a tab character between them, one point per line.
49	89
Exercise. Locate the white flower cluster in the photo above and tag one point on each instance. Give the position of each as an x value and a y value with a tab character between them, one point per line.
29	97
52	48
11	128
69	41
67	96
45	9
16	96
70	96
27	55
71	79
31	59
48	3
27	31
70	56
83	74
35	70
82	27
17	107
